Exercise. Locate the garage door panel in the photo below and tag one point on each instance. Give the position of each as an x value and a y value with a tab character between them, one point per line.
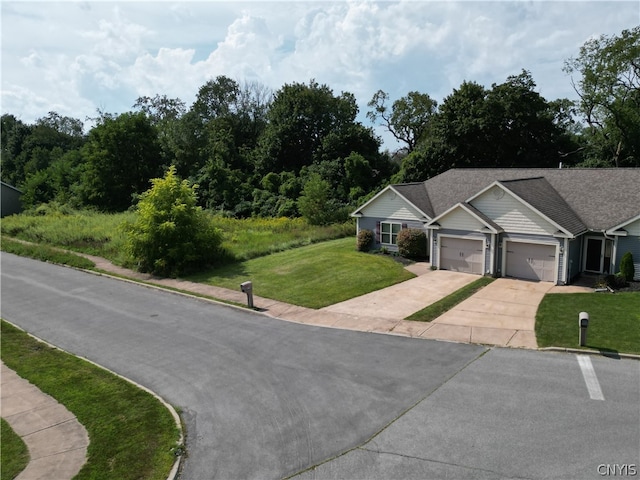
531	261
461	255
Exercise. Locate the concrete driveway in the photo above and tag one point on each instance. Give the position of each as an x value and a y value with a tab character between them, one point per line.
502	313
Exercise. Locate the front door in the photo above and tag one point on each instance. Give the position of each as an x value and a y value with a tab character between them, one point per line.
593	255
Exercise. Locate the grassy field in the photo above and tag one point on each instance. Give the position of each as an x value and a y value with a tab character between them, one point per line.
101	234
14	455
132	434
313	276
614	321
434	310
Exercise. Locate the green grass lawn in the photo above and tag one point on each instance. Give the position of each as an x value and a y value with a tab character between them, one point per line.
132	435
14	455
313	276
614	321
434	310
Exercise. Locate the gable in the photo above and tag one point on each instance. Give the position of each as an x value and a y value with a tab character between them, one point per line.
633	228
389	204
511	213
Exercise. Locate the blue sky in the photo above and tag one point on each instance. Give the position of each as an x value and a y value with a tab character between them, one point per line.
76	57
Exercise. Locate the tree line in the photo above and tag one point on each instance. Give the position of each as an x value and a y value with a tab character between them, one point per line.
301	150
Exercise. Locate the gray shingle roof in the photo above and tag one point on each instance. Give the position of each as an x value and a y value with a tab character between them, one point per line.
596	199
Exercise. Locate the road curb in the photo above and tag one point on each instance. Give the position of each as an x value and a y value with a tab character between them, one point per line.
628	356
173	474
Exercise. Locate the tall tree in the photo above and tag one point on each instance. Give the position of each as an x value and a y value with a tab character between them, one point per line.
299	119
510	125
408	119
122	155
609	91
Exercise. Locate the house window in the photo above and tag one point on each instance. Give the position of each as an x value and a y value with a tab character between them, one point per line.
389	233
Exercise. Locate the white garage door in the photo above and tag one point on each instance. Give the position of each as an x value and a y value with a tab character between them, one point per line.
461	255
531	261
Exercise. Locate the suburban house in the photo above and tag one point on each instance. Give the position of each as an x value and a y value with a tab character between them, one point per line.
9	200
537	224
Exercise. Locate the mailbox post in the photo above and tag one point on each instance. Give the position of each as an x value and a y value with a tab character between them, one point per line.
247	287
583	322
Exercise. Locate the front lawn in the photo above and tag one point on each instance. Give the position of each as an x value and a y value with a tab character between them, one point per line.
313	276
13	454
614	321
132	435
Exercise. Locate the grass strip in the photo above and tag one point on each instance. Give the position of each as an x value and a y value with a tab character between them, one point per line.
14	455
132	434
44	253
613	324
434	310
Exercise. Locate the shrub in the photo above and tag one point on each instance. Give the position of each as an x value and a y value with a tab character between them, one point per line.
171	234
615	281
412	243
364	240
627	268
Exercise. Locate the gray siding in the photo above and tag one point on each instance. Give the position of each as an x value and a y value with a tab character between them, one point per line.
629	244
369	223
9	200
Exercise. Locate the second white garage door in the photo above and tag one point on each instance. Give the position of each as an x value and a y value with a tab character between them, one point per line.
531	261
461	255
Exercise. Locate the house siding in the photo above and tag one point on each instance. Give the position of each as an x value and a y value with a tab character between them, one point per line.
511	214
369	223
629	244
459	219
9	200
391	206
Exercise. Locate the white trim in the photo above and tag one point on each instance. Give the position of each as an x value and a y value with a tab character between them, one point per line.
536	242
612	230
390	233
358	212
470	212
523	202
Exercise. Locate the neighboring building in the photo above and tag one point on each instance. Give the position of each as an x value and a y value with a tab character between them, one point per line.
9	200
538	224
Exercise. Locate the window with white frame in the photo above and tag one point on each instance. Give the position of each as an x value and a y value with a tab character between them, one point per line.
389	232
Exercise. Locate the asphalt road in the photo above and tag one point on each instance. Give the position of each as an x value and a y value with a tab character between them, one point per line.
264	398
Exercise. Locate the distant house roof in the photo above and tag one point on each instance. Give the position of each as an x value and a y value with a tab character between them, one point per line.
577	199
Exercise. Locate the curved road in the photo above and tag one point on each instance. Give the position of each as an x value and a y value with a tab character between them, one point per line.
261	398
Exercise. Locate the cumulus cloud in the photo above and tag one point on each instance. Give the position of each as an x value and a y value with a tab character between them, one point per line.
76	57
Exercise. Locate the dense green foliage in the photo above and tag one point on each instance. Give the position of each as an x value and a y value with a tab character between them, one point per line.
132	434
172	234
627	269
252	151
412	243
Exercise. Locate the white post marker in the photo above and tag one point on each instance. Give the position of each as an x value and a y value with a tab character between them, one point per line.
590	378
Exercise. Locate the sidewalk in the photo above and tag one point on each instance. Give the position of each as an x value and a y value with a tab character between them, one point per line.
57	442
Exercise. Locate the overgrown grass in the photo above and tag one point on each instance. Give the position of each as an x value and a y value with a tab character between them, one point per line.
614	321
14	455
132	434
45	253
313	276
436	309
100	234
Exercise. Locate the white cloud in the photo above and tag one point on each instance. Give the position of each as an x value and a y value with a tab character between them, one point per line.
74	57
